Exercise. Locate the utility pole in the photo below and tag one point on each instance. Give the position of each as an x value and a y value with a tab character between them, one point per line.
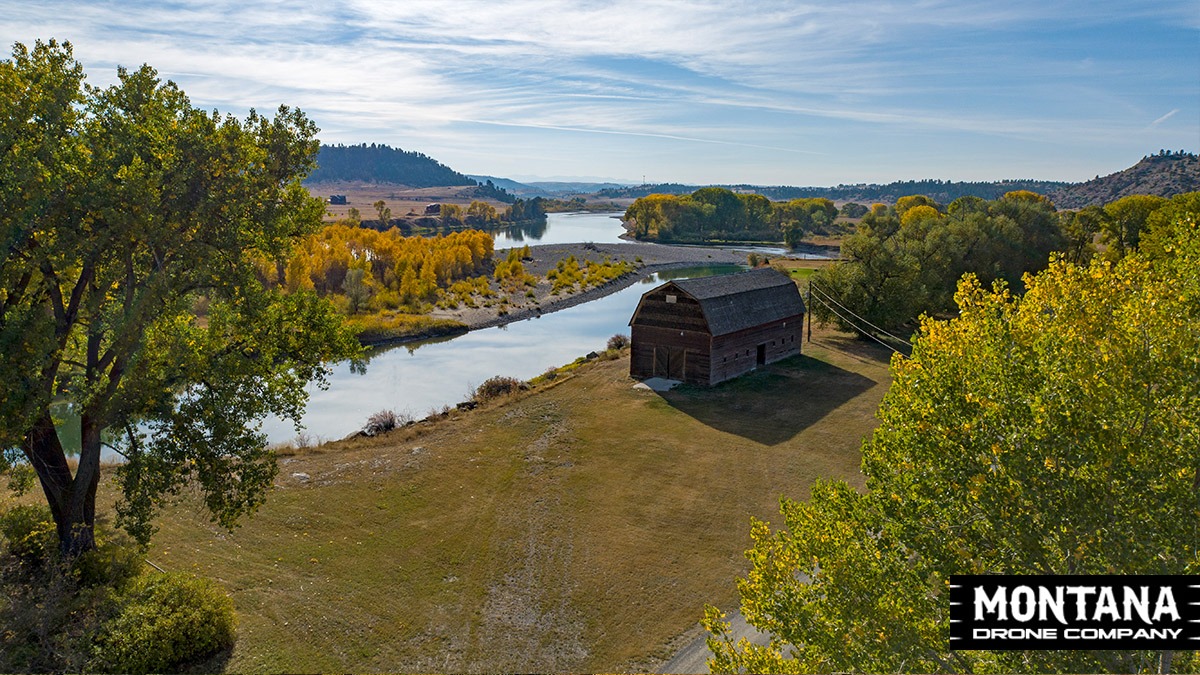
809	308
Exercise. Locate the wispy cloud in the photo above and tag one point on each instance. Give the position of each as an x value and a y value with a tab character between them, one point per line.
1164	118
741	88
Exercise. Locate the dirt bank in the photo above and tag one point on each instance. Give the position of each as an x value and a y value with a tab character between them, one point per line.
647	258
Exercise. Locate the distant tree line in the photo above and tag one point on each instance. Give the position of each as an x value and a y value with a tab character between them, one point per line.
718	214
943	191
490	189
526	210
383	164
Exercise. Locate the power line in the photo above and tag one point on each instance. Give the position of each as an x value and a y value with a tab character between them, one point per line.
856	327
831	299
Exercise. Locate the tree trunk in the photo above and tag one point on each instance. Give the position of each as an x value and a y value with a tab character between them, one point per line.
1164	661
72	500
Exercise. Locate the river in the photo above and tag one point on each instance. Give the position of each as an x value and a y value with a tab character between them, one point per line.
420	377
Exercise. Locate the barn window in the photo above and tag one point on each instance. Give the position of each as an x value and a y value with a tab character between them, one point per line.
671	299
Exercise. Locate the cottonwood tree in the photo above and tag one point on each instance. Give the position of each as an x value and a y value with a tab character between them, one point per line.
1053	433
1124	222
384	212
126	213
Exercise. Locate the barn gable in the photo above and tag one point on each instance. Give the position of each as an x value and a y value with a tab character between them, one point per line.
711	329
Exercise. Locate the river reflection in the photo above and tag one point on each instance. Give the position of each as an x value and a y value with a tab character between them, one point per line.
564	228
418	377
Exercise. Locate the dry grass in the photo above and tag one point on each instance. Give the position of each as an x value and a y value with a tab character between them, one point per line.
578	528
800	269
402	200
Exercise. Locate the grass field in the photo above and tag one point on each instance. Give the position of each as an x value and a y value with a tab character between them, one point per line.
578	528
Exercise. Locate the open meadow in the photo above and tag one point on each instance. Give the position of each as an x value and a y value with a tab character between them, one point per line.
404	201
578	527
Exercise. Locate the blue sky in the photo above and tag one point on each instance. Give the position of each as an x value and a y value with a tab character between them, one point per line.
757	92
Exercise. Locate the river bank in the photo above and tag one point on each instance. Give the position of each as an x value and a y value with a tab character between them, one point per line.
646	259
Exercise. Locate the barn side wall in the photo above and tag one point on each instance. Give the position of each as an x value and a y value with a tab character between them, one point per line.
737	353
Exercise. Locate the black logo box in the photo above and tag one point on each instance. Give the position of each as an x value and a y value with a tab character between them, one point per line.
994	612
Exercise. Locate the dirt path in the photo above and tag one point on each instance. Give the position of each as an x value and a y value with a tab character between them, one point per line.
693	657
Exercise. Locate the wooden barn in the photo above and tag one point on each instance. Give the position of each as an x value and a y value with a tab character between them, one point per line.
712	329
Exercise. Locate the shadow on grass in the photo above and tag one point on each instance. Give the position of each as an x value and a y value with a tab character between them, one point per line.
214	663
774	403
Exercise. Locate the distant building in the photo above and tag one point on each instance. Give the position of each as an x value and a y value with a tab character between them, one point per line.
337	199
712	329
433	209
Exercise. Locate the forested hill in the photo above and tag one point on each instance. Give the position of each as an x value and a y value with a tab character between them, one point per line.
1165	174
940	190
382	164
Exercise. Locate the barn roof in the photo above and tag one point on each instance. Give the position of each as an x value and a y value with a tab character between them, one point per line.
734	302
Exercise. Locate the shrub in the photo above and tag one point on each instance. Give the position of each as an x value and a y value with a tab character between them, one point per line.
497	386
618	342
30	532
384	421
168	620
101	611
380	422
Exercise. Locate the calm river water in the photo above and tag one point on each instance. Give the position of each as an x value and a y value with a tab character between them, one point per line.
564	228
418	377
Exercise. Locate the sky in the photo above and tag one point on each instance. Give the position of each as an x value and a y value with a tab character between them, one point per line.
728	92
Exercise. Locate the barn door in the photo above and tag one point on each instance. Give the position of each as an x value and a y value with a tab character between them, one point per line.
669	362
678	358
662	361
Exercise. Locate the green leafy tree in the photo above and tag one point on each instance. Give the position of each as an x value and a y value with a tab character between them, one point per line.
903	204
1122	229
852	210
383	212
895	268
1160	230
121	208
729	210
968	204
1126	220
356	289
1053	433
1080	228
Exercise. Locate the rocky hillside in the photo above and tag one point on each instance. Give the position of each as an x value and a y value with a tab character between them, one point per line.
1165	174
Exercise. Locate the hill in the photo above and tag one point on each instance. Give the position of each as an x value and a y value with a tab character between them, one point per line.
382	164
1165	174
